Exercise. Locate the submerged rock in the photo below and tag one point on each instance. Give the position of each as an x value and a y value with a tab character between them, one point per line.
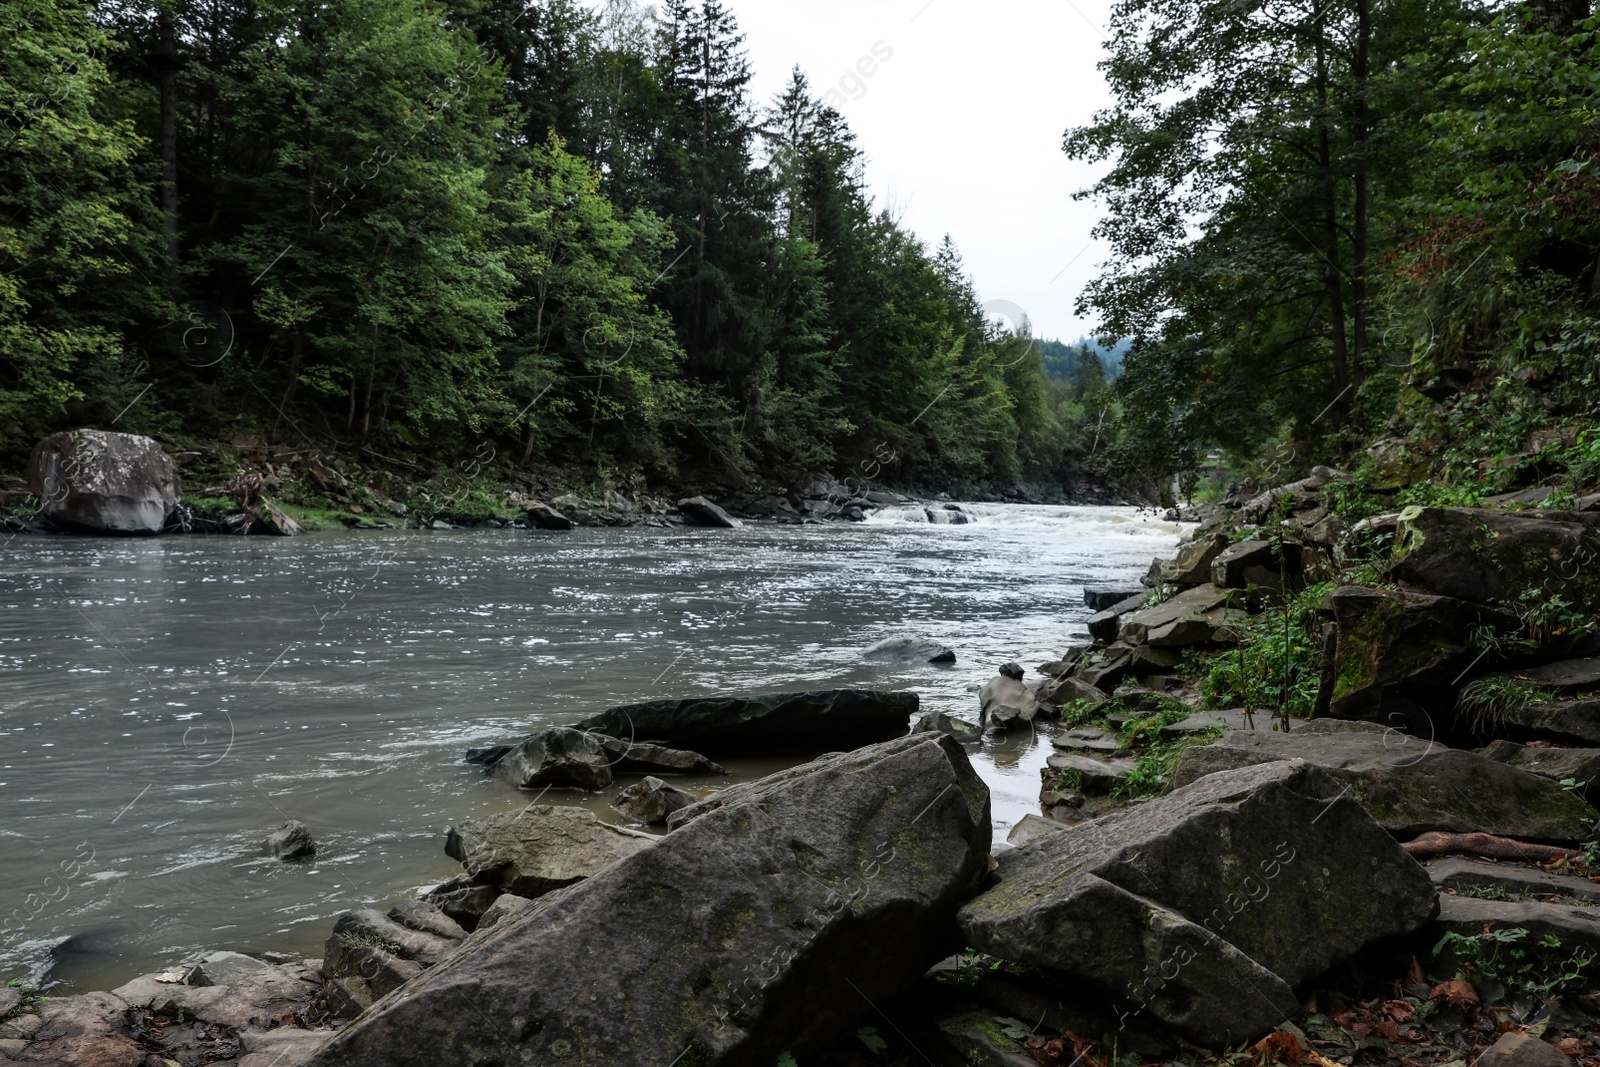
736	938
1202	908
826	719
90	481
909	650
945	723
556	757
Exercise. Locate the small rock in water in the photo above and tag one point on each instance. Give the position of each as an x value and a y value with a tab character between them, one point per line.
909	650
291	841
1012	670
702	512
943	722
652	800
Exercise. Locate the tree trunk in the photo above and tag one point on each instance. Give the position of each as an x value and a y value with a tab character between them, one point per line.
295	347
1361	223
372	373
1330	227
168	65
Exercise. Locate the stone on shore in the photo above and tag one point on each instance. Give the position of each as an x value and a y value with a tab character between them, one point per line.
1070	689
1203	907
736	938
1580	765
1193	563
820	720
632	758
462	899
1516	880
540	848
1576	927
1101	597
1487	556
251	995
909	650
91	481
702	512
1410	785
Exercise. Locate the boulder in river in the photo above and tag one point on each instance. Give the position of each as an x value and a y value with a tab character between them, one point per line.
909	650
1201	909
702	512
651	801
1411	785
557	757
634	758
1004	700
90	481
291	841
743	935
817	720
944	723
544	517
1101	597
540	848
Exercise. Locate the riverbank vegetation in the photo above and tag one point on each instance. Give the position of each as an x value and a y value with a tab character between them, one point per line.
531	230
1354	234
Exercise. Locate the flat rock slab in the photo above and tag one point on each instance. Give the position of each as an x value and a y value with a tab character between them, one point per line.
1567	674
83	1031
1093	775
1087	739
1101	597
1030	828
540	848
1575	720
1204	907
756	929
1575	927
1187	608
283	1047
820	720
1556	764
1205	721
1463	874
1408	784
248	999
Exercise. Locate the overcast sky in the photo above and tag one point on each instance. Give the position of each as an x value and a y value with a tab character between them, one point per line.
962	125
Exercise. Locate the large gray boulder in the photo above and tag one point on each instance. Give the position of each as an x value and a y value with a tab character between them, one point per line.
702	512
557	757
1488	556
757	929
540	848
90	481
1004	701
1202	908
820	720
1410	785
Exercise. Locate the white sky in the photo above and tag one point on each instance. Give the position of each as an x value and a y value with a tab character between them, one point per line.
962	126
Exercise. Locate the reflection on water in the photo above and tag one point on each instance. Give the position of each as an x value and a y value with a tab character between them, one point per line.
166	702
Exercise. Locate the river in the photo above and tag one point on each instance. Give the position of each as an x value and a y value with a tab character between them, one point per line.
167	702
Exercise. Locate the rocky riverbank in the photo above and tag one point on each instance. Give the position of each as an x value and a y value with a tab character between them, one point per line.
1319	794
90	481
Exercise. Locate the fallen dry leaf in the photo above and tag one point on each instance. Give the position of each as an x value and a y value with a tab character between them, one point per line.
1456	993
1279	1047
1572	1046
1399	1010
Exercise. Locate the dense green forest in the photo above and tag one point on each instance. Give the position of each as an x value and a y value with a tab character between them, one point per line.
405	228
1353	232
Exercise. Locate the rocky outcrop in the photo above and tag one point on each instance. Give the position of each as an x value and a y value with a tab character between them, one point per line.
702	512
1203	908
736	938
1490	557
1410	785
540	848
816	720
1392	642
909	650
90	481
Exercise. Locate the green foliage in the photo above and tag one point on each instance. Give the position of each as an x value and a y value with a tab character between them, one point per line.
1529	970
1279	663
539	233
1485	702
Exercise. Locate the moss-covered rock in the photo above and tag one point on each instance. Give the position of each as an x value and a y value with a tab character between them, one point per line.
1494	557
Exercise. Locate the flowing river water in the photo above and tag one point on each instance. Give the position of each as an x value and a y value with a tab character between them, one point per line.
167	702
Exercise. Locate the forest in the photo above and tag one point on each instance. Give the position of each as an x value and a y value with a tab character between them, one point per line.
399	228
1353	232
